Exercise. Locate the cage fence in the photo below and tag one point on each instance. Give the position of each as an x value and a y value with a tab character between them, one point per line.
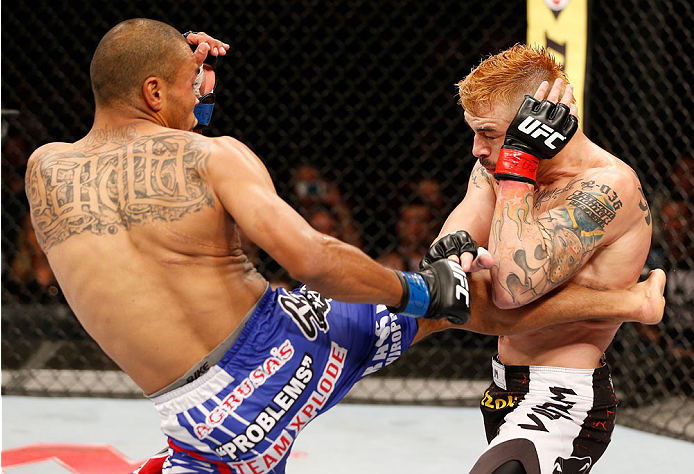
352	106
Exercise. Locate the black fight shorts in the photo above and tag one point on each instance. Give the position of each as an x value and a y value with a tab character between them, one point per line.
554	420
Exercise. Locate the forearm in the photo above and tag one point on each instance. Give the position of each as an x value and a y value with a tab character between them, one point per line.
343	272
521	254
567	304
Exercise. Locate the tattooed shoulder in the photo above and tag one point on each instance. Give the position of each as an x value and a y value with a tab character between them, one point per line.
150	178
479	175
543	195
98	137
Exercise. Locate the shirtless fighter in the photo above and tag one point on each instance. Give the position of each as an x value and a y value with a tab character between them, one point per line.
552	207
138	220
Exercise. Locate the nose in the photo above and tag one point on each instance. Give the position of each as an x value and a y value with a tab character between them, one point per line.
480	149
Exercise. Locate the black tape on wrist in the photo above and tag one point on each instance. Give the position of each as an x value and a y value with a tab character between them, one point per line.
405	295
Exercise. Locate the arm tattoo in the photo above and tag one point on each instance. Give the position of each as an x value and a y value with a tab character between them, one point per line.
105	136
153	178
546	195
477	171
643	205
536	255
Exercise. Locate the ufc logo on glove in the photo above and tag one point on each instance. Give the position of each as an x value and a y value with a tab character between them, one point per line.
539	131
535	128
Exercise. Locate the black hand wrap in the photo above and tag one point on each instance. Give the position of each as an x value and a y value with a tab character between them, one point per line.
456	243
539	131
440	290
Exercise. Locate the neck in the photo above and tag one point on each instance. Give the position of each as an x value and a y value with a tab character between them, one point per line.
118	124
120	115
567	163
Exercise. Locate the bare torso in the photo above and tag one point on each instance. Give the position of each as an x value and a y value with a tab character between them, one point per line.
615	265
145	253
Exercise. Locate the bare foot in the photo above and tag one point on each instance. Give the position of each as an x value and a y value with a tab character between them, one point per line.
650	292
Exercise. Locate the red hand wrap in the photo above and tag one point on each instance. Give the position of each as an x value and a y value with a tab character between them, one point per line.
516	165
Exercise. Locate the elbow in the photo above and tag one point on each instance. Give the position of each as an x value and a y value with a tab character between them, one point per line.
504	303
304	270
307	265
502	299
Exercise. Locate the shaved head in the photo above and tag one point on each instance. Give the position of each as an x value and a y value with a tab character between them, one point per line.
131	52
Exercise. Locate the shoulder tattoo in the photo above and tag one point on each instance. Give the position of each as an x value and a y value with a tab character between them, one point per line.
576	229
569	234
479	173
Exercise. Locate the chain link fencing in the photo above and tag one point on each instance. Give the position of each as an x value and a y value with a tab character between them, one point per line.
352	107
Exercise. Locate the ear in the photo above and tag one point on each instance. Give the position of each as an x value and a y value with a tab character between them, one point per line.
152	90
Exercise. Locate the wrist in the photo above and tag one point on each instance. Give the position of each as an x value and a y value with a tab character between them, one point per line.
516	165
415	295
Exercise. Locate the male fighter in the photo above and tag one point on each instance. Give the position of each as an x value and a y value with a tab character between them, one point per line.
552	207
138	220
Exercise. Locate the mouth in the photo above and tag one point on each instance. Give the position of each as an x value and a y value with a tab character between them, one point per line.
487	165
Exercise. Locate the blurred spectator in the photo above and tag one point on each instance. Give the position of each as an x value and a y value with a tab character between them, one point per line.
416	230
15	152
322	204
682	179
673	251
340	226
392	260
429	191
323	221
677	219
30	275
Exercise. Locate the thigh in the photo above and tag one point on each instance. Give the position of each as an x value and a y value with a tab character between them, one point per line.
496	459
552	430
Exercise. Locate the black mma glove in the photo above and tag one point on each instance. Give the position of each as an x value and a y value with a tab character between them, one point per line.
440	290
456	243
538	132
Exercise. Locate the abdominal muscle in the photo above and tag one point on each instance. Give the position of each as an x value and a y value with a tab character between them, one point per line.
577	345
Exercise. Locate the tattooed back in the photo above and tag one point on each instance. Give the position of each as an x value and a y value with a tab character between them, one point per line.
146	254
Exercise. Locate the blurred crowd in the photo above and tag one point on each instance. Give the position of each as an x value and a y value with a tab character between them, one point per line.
26	275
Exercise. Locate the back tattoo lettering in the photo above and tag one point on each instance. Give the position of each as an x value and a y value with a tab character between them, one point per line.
147	179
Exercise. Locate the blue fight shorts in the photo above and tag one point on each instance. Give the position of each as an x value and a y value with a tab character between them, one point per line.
298	355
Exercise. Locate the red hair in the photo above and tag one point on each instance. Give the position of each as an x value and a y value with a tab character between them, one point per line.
506	77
